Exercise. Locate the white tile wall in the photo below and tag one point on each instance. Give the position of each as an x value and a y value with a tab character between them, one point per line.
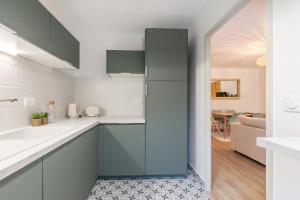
116	96
21	78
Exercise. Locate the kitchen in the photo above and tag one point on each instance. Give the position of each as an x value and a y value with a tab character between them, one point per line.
141	71
130	121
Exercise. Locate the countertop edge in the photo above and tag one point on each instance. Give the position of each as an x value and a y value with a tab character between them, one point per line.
283	149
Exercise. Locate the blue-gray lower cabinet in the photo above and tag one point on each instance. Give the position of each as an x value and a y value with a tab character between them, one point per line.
90	159
166	128
63	173
67	173
70	172
123	149
25	184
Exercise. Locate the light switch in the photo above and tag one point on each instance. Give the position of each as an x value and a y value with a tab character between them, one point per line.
292	103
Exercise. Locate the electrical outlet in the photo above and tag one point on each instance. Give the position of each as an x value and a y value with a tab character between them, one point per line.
29	101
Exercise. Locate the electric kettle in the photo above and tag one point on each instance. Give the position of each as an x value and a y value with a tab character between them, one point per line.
73	111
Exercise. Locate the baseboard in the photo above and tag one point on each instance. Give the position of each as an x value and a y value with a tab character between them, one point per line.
196	174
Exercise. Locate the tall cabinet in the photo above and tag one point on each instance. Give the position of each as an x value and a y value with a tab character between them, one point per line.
166	62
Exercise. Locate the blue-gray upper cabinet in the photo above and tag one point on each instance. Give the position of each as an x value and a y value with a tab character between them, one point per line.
166	128
29	19
25	184
119	61
123	150
63	44
166	54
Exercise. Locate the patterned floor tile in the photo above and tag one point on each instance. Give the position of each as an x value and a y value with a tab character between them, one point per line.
154	188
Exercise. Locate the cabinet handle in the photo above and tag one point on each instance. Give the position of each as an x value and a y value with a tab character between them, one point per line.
146	89
146	71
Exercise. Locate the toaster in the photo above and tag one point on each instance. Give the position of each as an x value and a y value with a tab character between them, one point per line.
92	111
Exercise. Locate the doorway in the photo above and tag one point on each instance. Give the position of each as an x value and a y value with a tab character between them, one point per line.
219	122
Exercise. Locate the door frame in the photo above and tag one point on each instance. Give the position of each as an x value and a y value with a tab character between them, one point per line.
269	92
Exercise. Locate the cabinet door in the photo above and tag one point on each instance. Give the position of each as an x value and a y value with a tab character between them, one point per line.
90	160
166	54
123	150
100	150
166	128
63	173
25	184
29	19
125	61
63	43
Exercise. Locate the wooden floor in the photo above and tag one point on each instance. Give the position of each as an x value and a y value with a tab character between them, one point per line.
235	177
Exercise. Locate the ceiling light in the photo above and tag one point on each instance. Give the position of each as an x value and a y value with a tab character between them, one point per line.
261	61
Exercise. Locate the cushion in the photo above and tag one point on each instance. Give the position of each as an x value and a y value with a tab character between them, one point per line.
253	121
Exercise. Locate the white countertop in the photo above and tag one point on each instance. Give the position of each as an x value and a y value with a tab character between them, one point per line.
70	129
288	146
121	120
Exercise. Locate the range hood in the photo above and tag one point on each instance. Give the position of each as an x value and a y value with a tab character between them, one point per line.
125	75
125	63
13	44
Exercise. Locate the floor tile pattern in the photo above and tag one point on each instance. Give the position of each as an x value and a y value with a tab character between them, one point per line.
154	188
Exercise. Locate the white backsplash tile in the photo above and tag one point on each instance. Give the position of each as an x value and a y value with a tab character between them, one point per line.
7	92
7	74
22	116
7	119
21	78
118	96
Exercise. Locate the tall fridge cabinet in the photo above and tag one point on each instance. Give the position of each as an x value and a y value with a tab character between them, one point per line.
166	106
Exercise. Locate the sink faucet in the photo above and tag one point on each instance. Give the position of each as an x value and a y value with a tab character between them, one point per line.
8	100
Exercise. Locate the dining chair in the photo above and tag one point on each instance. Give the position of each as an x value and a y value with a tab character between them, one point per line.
216	122
215	125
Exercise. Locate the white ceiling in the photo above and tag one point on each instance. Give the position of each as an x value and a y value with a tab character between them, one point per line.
123	16
237	44
243	39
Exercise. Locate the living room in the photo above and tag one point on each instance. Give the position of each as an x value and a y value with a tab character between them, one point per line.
238	104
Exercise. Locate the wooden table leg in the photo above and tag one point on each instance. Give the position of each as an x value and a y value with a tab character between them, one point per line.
225	126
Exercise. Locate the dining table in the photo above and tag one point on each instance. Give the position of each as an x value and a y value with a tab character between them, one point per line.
225	116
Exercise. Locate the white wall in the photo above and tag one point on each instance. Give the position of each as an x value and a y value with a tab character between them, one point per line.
252	89
21	78
286	81
93	87
199	147
118	97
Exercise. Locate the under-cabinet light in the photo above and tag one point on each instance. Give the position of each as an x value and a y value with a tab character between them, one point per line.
8	41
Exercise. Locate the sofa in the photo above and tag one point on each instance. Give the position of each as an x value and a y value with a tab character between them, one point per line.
244	134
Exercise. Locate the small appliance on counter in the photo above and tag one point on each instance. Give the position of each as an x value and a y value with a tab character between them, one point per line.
92	111
73	111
